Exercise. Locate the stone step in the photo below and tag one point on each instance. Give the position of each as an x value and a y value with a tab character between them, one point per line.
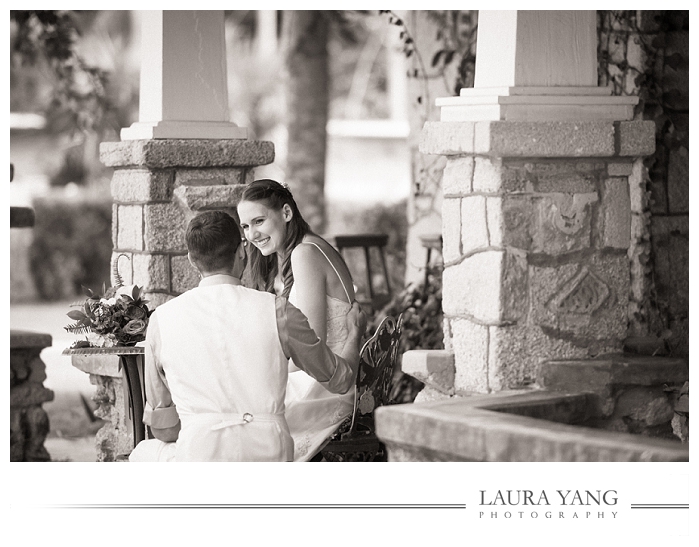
632	393
602	372
20	339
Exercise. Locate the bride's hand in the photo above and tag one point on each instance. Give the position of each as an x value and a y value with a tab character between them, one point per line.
356	319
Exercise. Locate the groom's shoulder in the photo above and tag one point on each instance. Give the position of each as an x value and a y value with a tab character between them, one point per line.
228	294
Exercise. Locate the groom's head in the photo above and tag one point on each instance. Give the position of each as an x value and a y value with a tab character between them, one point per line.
214	242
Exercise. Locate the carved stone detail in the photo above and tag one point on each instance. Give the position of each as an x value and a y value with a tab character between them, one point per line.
571	211
580	296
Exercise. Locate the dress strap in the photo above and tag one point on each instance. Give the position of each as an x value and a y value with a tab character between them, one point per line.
349	300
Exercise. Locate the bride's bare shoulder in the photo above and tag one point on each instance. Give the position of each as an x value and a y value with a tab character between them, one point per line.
307	254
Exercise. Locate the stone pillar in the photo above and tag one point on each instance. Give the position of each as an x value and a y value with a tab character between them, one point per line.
536	216
157	186
29	423
536	228
183	87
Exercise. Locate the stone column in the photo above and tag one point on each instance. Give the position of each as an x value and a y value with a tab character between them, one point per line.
536	216
29	423
536	228
183	91
157	186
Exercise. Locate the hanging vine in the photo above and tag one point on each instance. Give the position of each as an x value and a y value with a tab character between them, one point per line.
453	63
634	58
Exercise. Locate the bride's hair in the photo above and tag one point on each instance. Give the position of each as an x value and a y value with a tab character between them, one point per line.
263	269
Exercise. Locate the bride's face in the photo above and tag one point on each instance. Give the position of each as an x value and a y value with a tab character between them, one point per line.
264	227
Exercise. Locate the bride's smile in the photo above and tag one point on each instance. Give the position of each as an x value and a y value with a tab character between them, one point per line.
263	226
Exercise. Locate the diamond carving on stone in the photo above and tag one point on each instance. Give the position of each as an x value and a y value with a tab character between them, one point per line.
583	294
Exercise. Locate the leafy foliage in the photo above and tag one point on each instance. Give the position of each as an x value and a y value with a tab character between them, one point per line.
658	73
79	99
421	307
457	31
119	317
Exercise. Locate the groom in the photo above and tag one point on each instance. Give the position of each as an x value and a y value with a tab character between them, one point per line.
216	359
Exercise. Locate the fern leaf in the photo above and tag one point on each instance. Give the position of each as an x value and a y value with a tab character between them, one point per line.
78	328
118	280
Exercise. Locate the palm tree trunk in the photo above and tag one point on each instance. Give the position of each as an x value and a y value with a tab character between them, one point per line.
307	94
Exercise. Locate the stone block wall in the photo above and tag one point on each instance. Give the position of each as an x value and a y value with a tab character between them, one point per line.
29	423
539	259
536	238
157	186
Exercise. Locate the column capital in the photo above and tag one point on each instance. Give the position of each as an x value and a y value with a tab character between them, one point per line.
537	104
165	153
542	139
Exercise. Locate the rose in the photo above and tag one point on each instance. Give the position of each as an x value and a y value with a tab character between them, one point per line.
135	326
135	312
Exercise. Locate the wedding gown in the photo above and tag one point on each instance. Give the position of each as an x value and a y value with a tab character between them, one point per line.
312	412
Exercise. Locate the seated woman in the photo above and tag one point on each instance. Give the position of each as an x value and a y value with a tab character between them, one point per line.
286	257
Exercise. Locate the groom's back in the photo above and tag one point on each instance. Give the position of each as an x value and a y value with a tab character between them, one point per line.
220	351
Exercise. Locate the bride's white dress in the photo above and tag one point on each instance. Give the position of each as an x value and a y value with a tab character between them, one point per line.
312	412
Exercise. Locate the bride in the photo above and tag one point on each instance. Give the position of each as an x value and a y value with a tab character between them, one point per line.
286	257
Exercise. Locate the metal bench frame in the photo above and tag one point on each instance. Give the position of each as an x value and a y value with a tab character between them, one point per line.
355	439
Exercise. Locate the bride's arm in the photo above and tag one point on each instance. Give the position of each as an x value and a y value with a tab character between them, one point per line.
310	286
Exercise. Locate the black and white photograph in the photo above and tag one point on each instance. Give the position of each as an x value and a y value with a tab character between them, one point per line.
446	250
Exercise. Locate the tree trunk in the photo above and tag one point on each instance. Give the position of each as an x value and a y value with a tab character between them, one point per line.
307	94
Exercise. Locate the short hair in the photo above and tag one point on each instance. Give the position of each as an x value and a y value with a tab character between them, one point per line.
212	240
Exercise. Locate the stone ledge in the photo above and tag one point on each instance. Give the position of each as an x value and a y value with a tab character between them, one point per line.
546	139
435	368
21	217
162	153
479	428
100	365
20	339
199	198
599	374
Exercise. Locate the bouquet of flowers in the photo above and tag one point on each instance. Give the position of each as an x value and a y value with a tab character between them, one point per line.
118	317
